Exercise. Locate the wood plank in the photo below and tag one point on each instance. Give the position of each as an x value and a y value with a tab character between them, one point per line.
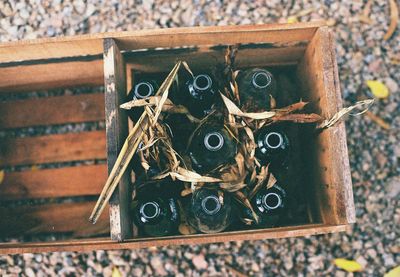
51	75
117	132
52	110
51	218
53	183
328	154
206	58
47	48
53	148
85	245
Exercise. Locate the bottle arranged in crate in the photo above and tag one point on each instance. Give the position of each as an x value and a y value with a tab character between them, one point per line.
141	90
256	86
269	205
273	145
198	94
210	210
156	212
180	128
211	147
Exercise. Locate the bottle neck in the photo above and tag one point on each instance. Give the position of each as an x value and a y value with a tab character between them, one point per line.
273	140
201	87
271	201
143	90
261	79
149	211
214	141
211	205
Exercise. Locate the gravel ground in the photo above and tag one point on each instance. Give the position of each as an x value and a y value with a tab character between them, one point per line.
374	241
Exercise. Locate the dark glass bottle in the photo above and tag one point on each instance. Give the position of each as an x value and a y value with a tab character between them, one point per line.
141	90
272	145
198	94
269	205
211	147
256	86
156	212
181	128
210	210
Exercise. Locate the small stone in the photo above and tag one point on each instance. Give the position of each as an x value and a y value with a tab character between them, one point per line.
391	84
362	261
157	265
255	267
393	187
371	253
29	272
199	262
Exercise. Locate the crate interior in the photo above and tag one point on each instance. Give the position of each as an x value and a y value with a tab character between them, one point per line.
41	202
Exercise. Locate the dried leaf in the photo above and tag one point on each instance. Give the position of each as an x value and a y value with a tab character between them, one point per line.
150	101
261	178
271	181
233	109
291	108
186	66
186	229
336	117
395	272
364	17
186	192
394	19
116	272
2	174
292	19
186	175
378	120
378	89
348	265
299	118
244	201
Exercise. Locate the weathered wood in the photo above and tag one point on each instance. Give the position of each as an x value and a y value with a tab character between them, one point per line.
52	110
328	157
207	58
51	75
53	148
117	131
50	48
51	218
97	244
58	182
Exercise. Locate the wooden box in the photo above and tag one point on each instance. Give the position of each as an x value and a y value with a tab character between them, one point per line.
110	59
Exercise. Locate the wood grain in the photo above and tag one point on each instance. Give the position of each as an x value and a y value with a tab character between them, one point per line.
53	148
83	45
85	245
53	183
51	75
52	110
117	132
51	218
328	156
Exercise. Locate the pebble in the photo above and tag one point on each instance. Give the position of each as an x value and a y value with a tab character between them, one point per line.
158	266
199	262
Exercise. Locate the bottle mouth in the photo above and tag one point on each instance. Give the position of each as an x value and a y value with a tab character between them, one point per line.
273	140
213	141
150	210
272	200
261	79
143	90
211	204
202	82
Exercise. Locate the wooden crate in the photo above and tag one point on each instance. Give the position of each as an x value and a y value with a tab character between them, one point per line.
79	61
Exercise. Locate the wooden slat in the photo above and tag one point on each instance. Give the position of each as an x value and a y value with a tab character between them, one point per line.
52	183
328	156
48	48
51	75
53	148
85	245
52	110
117	132
206	59
51	218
